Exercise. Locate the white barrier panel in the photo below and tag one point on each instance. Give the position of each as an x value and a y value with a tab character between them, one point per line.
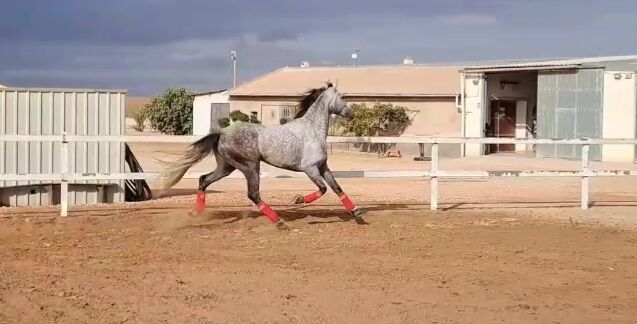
434	173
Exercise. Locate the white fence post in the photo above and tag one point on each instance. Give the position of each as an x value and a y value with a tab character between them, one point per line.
64	184
434	177
585	178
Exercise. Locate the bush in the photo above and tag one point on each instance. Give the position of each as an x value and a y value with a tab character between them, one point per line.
254	119
223	122
172	112
140	117
370	121
283	121
238	116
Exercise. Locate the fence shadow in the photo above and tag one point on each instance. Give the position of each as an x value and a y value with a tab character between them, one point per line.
324	212
533	205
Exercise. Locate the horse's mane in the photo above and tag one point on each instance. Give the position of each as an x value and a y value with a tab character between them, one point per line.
308	99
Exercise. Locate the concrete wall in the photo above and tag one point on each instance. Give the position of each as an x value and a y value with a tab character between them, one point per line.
202	111
431	116
619	114
267	108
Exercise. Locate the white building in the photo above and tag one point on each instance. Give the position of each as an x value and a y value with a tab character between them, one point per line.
568	98
208	107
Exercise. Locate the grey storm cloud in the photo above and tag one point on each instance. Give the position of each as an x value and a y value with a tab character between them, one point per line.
148	45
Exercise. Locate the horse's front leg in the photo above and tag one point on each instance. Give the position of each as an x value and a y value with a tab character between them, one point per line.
347	203
315	175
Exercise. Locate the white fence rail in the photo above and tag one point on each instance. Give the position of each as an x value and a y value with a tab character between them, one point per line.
433	174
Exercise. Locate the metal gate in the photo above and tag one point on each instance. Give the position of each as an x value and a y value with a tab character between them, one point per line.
218	111
569	105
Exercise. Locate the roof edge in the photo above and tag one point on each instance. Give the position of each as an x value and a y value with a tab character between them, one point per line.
377	95
256	80
23	89
209	92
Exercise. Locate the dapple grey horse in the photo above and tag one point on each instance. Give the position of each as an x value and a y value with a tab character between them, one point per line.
299	145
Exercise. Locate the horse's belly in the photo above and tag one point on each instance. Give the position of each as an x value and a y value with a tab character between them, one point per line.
285	159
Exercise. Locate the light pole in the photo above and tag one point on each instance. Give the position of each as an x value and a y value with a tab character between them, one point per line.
233	57
355	56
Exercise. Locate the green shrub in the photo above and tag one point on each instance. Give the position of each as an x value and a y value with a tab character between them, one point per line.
254	119
238	116
223	122
140	117
171	113
370	121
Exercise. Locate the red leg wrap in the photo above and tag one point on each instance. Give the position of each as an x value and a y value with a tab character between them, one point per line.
312	197
268	212
349	205
200	206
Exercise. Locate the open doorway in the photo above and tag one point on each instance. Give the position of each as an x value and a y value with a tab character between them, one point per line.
512	101
502	123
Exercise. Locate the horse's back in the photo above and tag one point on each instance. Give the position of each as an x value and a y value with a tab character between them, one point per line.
238	143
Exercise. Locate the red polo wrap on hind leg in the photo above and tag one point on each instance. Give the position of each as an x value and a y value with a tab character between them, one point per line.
268	212
312	197
349	205
200	205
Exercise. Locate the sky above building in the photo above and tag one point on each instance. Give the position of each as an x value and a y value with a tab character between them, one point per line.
146	46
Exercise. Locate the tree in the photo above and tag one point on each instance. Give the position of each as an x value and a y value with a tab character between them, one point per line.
237	116
171	113
380	119
370	121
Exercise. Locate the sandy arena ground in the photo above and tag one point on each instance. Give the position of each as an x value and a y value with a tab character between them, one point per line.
514	250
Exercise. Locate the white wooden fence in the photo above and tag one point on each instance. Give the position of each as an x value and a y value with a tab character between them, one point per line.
433	174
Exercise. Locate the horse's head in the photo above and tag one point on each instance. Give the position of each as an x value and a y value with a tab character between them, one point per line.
329	97
336	104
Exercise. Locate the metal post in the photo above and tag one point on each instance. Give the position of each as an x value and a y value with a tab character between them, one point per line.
64	184
585	178
434	177
234	73
233	57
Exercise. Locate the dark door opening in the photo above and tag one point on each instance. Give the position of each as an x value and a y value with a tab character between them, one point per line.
502	124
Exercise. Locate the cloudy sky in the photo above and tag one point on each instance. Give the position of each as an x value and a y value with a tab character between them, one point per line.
147	45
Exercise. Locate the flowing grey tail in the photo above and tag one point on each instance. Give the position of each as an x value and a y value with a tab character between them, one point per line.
196	152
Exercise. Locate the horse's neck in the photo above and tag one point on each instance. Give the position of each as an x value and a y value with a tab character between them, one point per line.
319	117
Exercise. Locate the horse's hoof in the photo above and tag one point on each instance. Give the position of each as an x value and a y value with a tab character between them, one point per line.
357	213
281	225
298	199
198	209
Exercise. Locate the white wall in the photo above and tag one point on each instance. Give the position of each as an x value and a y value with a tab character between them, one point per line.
474	105
619	114
201	121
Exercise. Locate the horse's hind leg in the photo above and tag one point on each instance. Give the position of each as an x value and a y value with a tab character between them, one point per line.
315	175
252	177
223	170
